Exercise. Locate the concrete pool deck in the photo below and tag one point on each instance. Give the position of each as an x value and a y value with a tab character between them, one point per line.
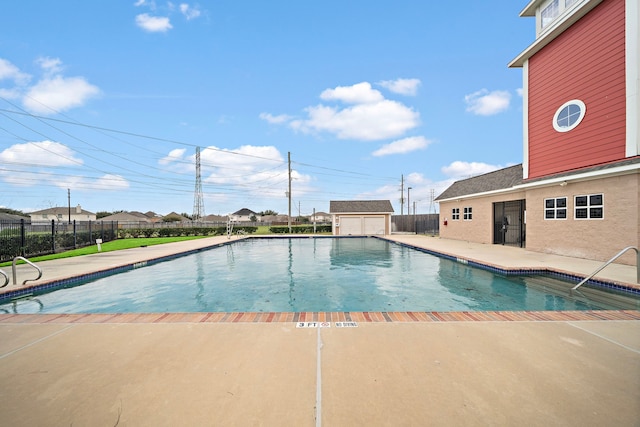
173	369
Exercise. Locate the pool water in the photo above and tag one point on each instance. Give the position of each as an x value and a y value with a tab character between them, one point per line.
303	274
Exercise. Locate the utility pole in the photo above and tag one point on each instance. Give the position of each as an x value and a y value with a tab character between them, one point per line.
409	200
69	203
289	193
401	194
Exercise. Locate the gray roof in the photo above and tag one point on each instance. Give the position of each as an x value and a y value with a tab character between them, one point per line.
61	211
244	212
492	181
360	206
127	216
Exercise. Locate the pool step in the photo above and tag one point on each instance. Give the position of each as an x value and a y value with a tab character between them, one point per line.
588	294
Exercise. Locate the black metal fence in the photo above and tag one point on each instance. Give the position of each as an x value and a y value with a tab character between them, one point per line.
418	224
23	238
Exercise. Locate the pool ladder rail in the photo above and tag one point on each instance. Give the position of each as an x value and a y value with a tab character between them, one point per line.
15	276
618	255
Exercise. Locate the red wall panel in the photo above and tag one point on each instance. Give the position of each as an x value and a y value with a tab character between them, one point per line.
586	62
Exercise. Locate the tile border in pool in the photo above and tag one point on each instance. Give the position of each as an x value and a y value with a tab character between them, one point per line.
359	317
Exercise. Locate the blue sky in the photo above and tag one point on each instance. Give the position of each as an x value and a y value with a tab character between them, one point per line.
110	99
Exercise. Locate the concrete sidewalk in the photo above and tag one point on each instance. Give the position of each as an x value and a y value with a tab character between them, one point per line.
378	374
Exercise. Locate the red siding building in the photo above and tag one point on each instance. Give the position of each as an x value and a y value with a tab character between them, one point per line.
580	184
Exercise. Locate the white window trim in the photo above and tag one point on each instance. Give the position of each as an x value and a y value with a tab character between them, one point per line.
455	214
583	112
563	12
555	209
469	211
587	207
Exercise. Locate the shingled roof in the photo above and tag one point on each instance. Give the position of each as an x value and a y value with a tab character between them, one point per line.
492	181
360	206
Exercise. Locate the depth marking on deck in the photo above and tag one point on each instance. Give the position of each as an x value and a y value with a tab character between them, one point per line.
326	324
346	324
313	324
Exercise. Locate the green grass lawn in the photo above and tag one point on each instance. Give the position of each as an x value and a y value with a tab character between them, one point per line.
114	245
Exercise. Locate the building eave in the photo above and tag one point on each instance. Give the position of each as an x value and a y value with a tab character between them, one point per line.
553	32
555	180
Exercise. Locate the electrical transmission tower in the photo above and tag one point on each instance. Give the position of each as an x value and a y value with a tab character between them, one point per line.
198	202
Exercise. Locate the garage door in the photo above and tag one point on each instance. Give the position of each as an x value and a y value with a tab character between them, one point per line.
374	225
350	226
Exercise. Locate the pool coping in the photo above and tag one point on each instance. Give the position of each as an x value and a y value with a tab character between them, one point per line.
322	317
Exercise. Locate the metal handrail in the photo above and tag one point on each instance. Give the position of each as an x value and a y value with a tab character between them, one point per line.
618	255
6	278
13	269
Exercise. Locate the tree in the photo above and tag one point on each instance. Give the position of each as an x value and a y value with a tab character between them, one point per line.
12	212
267	212
172	217
102	214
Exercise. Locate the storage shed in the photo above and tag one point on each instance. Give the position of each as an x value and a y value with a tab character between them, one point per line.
361	217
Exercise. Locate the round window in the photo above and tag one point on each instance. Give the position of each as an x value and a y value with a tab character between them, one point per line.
569	115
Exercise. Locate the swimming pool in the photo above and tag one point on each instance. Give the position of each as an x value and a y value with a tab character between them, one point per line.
306	274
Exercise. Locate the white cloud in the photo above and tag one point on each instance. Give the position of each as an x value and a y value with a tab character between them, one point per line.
485	103
189	12
110	182
460	169
52	93
402	146
58	93
402	86
173	156
40	154
360	93
368	122
153	24
369	117
50	65
282	118
11	72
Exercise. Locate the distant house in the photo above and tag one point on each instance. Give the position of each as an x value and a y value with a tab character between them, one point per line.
361	217
243	214
215	218
275	218
130	217
62	214
577	190
320	217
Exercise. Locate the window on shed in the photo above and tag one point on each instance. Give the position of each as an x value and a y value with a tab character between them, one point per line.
455	214
468	214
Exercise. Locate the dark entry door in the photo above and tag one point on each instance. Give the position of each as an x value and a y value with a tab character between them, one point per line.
508	223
